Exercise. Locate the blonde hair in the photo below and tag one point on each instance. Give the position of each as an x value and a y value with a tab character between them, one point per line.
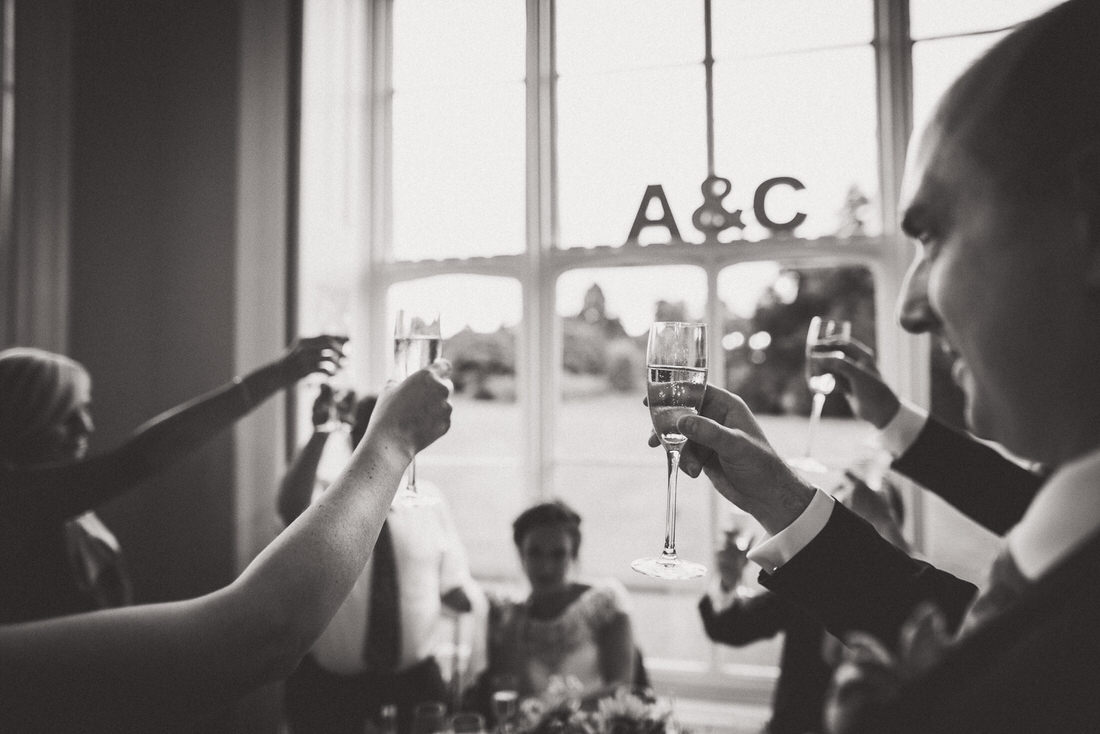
38	389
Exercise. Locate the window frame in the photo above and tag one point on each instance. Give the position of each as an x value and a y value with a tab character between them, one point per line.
903	358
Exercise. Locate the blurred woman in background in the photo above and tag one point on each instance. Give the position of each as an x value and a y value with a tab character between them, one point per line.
56	556
564	632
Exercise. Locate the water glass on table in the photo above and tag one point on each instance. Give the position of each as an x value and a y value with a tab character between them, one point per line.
429	717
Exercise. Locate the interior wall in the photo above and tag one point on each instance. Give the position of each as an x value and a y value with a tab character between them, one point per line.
154	121
178	270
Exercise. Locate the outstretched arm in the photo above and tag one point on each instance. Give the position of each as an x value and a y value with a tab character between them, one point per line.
977	479
296	489
847	576
149	665
68	489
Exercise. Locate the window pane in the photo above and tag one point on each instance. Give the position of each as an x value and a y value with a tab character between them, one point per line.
749	27
936	64
627	34
764	346
942	17
458	129
458	173
432	43
478	464
618	133
811	116
332	152
602	464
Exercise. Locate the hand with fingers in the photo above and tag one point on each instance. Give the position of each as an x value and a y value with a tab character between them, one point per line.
727	444
333	407
853	364
415	412
308	355
323	406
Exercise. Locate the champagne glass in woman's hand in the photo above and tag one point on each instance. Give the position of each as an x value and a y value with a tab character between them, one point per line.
416	344
821	335
676	363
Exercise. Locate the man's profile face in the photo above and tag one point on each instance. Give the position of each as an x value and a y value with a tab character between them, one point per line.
993	275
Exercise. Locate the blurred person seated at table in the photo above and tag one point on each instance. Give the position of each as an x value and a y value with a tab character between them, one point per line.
154	667
735	614
565	631
56	556
378	648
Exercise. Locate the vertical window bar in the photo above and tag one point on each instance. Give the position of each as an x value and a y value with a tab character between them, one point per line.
539	335
900	354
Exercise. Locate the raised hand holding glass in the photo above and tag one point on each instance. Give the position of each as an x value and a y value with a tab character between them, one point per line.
821	334
416	344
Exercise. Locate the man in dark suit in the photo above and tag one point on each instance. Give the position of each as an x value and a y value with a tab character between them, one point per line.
1002	196
733	616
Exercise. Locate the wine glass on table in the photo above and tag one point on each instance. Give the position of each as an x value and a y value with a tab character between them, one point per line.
416	344
676	366
821	334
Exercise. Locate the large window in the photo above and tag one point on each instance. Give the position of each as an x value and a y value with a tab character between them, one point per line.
492	158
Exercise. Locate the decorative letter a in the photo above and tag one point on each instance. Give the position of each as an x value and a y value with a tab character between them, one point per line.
641	221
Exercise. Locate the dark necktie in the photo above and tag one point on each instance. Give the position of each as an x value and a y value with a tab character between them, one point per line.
382	646
1006	583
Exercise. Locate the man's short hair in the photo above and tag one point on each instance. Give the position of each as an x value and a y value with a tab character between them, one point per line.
1031	100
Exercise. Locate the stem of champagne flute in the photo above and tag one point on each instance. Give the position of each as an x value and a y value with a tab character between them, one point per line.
815	418
411	485
669	552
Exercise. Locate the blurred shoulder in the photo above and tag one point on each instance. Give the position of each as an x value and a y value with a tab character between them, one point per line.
606	597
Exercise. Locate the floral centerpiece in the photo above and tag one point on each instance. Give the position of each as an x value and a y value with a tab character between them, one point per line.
560	711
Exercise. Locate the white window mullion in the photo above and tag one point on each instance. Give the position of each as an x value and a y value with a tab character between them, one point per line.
904	360
538	344
378	199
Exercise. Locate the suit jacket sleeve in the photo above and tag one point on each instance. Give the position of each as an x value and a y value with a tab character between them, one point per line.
747	620
974	478
851	578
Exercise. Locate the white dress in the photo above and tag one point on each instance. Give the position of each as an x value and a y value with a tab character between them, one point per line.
534	651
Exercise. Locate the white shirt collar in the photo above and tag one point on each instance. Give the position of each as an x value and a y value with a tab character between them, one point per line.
1065	513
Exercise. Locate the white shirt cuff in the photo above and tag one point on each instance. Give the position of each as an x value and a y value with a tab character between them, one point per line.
776	550
720	599
902	430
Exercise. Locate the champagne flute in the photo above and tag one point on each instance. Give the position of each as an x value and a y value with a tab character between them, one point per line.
676	363
416	344
821	333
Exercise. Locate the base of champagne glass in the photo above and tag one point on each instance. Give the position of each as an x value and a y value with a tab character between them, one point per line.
664	568
807	464
406	497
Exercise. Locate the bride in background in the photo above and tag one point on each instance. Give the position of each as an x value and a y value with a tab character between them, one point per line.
564	630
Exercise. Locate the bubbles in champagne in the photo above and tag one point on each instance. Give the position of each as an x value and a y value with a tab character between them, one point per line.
415	353
674	392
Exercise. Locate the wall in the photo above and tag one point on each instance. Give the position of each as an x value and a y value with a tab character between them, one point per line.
178	268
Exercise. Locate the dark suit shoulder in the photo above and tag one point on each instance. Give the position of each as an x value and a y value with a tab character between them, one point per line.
1034	668
851	578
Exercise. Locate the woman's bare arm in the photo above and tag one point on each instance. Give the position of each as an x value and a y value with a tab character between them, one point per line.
68	489
149	665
